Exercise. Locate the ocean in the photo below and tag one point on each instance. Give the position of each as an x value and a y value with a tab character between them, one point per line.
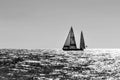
56	64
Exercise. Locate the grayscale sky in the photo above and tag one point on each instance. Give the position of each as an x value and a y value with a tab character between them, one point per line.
46	23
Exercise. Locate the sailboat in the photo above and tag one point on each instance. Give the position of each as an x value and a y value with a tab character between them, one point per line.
70	43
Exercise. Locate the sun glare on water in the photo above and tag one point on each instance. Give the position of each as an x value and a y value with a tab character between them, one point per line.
56	64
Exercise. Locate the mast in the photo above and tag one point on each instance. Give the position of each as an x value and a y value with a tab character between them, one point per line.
82	42
70	41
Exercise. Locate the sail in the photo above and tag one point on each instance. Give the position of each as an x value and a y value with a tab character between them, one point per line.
70	41
67	42
82	42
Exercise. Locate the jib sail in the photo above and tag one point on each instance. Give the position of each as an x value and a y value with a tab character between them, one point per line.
70	41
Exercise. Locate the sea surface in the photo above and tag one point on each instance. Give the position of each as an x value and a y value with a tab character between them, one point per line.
56	64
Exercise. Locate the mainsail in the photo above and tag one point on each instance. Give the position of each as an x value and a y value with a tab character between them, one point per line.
70	43
82	42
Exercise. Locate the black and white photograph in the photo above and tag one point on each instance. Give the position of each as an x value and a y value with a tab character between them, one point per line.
59	39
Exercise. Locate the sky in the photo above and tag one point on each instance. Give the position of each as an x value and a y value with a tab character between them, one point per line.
36	24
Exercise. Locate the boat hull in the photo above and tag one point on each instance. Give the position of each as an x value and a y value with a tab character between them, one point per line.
73	49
